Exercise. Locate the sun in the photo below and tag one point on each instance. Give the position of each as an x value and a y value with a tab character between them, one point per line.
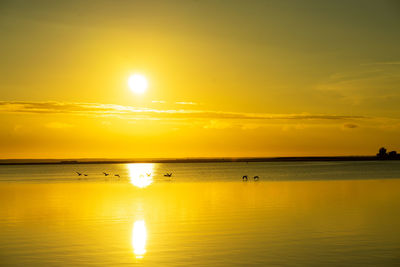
137	83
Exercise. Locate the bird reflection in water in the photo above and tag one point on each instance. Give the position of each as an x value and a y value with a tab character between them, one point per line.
141	174
139	238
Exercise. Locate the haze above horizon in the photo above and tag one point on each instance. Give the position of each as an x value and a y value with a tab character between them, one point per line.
178	79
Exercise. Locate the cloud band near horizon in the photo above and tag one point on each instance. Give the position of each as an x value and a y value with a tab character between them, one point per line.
98	109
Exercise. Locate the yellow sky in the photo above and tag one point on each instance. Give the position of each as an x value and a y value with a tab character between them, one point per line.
226	78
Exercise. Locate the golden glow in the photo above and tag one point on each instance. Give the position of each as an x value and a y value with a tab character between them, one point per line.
174	213
126	92
139	238
141	174
138	83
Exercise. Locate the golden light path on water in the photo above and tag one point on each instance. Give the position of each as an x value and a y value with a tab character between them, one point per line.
139	238
141	174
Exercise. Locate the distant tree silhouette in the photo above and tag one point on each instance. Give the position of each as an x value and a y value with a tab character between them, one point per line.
392	154
382	153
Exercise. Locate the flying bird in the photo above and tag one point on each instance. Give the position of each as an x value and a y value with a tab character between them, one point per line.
79	174
244	178
168	174
117	175
105	174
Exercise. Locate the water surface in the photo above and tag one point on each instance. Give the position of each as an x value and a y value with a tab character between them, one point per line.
298	214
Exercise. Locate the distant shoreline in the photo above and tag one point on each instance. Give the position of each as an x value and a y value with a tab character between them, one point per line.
185	160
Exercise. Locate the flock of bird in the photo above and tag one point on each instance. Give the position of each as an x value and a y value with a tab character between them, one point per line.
105	174
119	176
244	178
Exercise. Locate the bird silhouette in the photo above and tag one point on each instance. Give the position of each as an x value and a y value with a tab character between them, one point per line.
79	174
148	174
244	178
117	175
256	178
168	174
105	174
85	174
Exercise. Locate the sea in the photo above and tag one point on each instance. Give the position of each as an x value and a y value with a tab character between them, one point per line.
334	213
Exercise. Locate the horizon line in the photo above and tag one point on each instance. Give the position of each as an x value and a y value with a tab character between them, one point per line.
28	161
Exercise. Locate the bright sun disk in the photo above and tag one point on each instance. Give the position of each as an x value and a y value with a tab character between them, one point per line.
137	83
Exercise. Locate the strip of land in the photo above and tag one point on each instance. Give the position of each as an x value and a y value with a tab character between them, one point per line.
187	160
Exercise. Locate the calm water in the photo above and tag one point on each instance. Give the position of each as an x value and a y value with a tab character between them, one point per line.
298	214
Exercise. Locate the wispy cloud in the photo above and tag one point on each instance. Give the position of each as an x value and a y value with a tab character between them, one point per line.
381	63
350	126
68	108
369	84
186	103
96	109
158	101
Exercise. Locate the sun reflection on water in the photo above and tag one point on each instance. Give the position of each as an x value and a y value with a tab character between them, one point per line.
141	174
139	238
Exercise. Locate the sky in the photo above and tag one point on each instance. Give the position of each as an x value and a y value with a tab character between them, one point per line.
226	78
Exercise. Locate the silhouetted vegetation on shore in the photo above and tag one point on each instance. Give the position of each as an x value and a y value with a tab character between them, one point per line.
383	154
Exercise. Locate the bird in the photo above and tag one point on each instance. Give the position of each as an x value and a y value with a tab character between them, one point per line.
117	175
85	174
256	178
168	174
244	178
79	174
148	174
105	174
